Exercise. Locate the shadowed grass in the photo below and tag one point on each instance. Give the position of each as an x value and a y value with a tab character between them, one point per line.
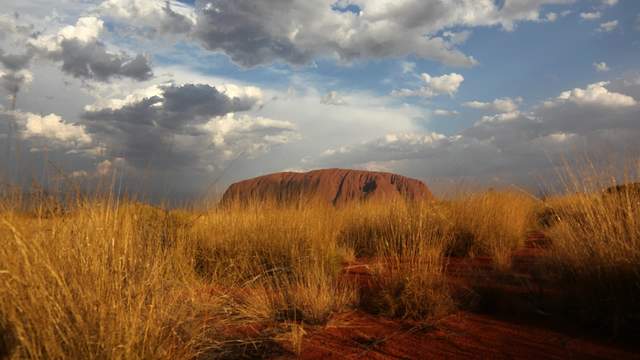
595	256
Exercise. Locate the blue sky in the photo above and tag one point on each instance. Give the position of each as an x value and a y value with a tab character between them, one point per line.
485	91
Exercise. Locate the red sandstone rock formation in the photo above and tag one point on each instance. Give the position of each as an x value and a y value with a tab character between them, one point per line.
335	186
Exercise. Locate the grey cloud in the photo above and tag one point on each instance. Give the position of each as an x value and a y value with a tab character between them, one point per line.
173	22
249	32
12	82
80	52
252	33
93	61
15	62
164	130
16	77
513	145
155	16
178	108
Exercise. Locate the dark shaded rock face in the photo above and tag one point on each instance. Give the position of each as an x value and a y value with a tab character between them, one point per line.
334	186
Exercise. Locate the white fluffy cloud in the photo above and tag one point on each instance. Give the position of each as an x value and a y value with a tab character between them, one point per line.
608	26
595	94
235	135
443	112
434	85
37	130
601	66
500	118
53	127
503	105
86	30
168	17
591	15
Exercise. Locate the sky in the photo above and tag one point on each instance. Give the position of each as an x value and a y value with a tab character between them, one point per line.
178	98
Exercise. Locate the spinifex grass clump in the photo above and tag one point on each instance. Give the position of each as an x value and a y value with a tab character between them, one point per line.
97	283
596	254
491	223
409	280
287	256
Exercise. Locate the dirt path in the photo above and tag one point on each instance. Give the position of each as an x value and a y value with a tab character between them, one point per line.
512	330
461	336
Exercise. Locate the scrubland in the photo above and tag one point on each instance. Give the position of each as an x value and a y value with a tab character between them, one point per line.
107	278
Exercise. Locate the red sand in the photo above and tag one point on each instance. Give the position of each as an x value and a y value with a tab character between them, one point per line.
510	330
460	336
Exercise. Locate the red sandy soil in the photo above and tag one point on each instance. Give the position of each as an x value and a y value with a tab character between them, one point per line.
459	336
510	327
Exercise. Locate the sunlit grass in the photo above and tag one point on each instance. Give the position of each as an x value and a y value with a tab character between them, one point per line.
104	277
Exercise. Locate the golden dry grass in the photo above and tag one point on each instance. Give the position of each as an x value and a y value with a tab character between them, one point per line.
595	256
106	278
491	223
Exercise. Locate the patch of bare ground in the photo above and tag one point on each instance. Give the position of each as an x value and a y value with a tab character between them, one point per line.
463	335
506	315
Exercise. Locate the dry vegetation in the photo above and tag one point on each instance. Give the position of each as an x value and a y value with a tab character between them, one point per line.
595	256
105	278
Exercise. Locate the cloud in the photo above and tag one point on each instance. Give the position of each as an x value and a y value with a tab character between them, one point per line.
442	112
17	75
609	2
457	38
512	146
601	66
595	94
235	135
608	26
298	31
166	17
551	17
83	56
52	132
188	126
503	105
15	62
390	147
500	118
408	67
333	98
591	15
52	127
12	82
434	86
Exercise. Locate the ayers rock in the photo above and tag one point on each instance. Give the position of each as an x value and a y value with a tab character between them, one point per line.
334	186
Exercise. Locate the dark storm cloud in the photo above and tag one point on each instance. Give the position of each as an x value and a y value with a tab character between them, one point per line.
242	30
164	130
178	108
